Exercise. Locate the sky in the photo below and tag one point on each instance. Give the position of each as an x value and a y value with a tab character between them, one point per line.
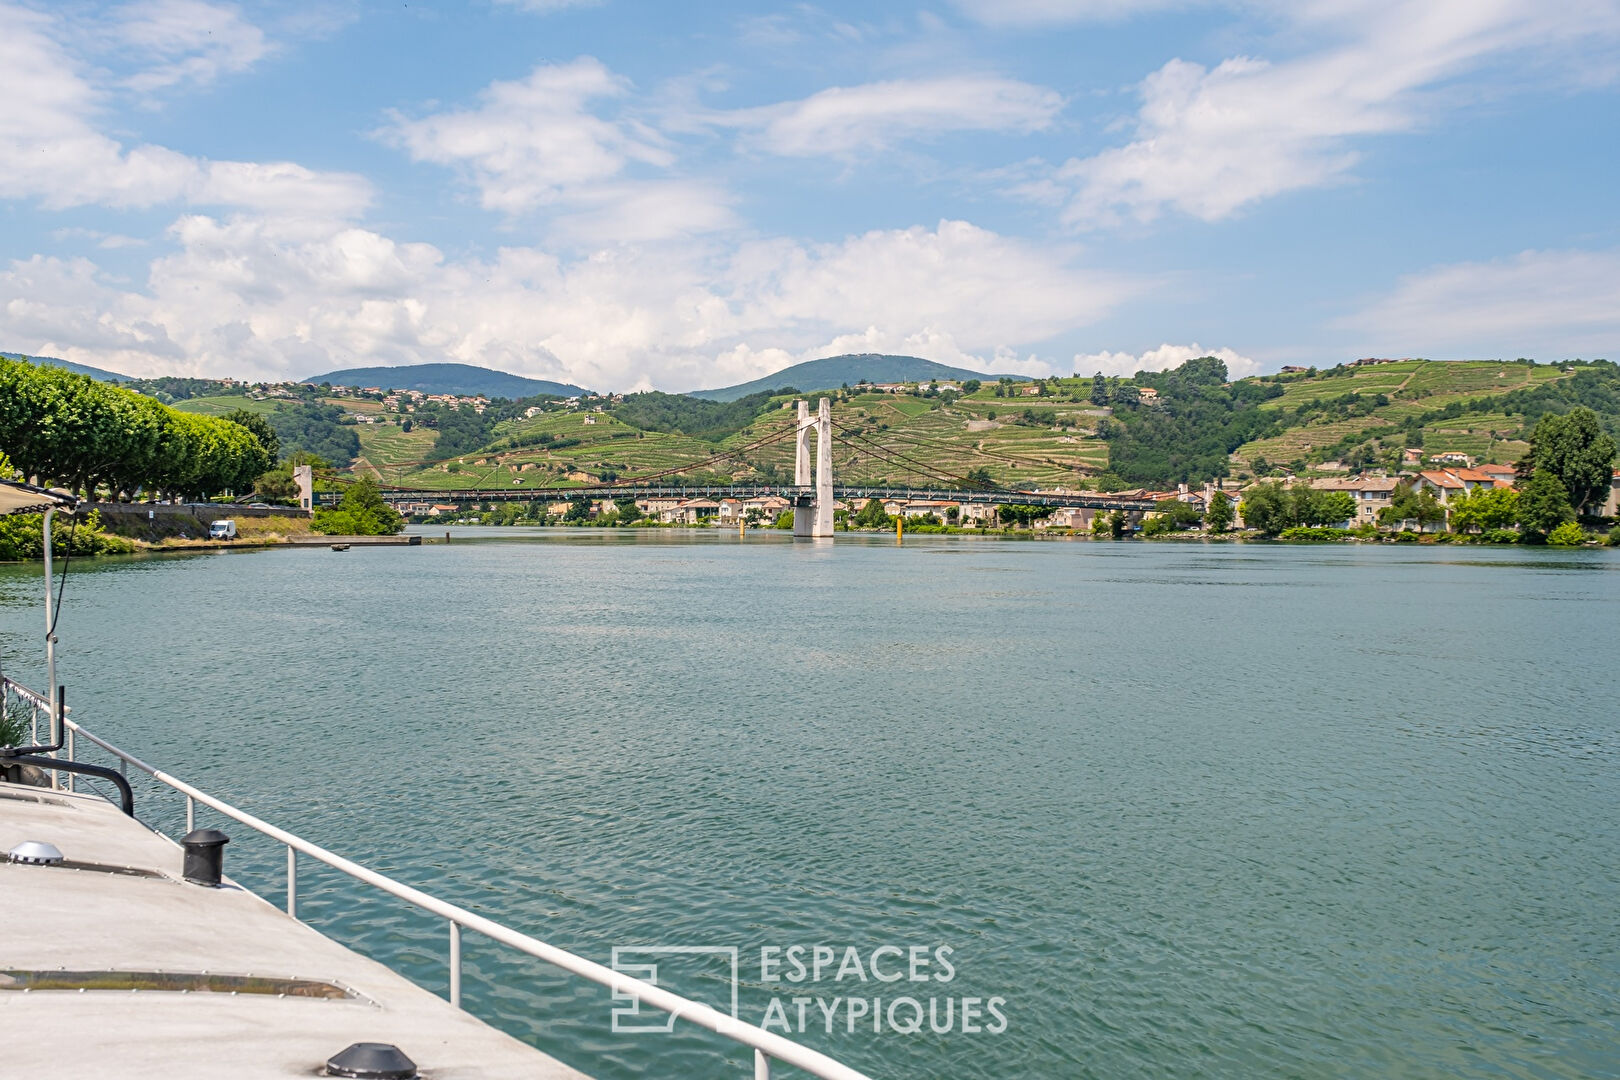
647	195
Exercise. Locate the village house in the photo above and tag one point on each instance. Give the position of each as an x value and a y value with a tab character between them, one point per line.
1372	494
1611	505
940	508
1446	483
1148	395
690	512
657	507
1453	457
1293	369
1069	517
974	513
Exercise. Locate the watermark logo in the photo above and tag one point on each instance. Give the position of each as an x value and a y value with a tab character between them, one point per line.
648	962
903	989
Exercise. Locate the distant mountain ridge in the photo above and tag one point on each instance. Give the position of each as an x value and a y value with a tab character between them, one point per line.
78	369
467	380
851	368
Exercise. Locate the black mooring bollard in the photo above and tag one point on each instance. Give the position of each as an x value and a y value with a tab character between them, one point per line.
205	856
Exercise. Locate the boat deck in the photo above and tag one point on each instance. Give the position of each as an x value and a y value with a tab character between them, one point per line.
308	998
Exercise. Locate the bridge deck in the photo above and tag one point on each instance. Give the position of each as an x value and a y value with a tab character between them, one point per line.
788	491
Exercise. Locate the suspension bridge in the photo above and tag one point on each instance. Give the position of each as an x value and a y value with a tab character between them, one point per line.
813	493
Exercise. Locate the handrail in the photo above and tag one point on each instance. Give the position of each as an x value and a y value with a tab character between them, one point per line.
767	1046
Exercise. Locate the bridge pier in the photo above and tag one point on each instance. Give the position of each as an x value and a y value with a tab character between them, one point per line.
813	513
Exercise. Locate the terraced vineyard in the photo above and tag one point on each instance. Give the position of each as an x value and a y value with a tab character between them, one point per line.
1413	388
1034	435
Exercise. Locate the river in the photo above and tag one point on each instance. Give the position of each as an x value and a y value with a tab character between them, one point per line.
1216	810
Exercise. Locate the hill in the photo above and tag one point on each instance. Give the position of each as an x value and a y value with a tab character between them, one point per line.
78	369
1366	415
1109	434
461	379
831	371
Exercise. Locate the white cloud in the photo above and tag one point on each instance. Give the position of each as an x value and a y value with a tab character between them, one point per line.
54	153
1209	141
190	40
539	143
277	297
1543	304
1163	358
841	120
531	140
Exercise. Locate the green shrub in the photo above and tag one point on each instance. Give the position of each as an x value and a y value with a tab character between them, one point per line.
1614	537
1568	534
1315	533
15	727
1499	536
1406	536
361	513
22	538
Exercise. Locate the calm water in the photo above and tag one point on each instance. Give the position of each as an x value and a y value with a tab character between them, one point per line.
1225	811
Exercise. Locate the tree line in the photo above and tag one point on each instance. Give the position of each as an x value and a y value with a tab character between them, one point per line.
70	430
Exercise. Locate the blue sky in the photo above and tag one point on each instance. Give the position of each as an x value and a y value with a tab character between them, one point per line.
632	195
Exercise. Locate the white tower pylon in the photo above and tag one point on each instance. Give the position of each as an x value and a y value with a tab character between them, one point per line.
813	514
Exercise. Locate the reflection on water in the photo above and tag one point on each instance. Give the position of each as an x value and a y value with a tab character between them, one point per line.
1192	810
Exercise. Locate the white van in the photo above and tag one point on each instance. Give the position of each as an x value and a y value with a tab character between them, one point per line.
222	530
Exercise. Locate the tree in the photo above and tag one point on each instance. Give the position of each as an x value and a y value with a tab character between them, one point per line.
1218	518
1171	515
1099	389
277	486
1576	450
1019	515
1410	503
260	429
971	386
1268	508
628	511
1331	508
980	478
361	512
1568	534
872	516
579	510
1483	508
1108	481
1543	505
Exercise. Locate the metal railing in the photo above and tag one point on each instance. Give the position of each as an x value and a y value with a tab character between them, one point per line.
767	1046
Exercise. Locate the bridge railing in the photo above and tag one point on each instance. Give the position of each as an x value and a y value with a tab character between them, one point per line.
856	493
767	1046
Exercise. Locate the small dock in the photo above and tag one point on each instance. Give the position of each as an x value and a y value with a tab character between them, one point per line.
128	970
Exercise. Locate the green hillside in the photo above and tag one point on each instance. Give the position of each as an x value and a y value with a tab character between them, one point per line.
1154	430
78	369
459	379
926	440
1366	415
849	370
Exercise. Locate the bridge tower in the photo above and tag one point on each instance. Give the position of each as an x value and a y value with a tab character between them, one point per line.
813	512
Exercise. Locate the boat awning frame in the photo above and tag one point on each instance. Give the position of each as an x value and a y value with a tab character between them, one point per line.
19	498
